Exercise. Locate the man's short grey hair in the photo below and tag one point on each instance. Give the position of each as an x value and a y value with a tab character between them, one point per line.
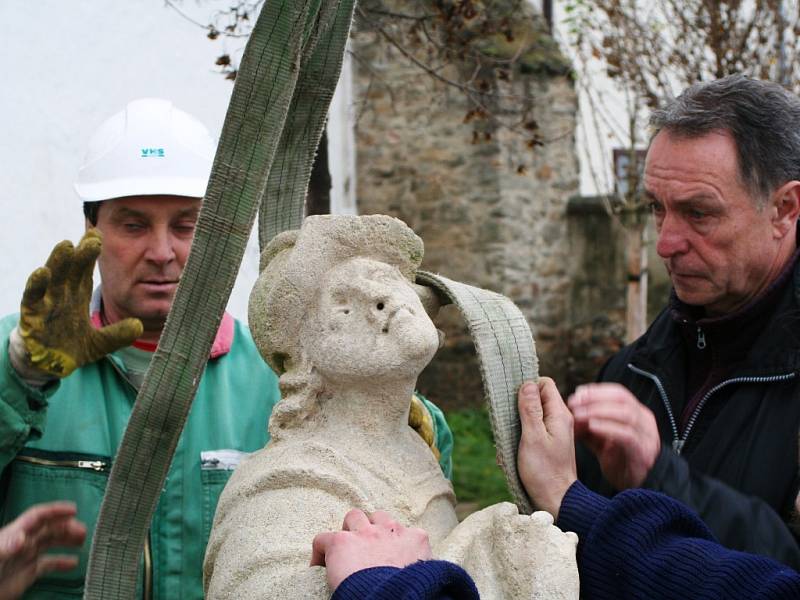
762	117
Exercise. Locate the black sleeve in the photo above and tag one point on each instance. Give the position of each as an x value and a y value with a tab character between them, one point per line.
589	471
738	521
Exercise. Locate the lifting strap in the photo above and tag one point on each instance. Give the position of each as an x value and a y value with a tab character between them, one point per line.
506	356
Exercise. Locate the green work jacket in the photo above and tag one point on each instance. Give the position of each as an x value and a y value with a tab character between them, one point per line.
58	443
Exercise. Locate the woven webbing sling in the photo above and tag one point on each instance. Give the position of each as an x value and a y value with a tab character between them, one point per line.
263	163
507	357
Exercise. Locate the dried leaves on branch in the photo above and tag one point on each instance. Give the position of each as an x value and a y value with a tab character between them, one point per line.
480	48
654	49
660	47
477	47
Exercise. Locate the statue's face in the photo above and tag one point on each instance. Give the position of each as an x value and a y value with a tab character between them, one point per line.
369	322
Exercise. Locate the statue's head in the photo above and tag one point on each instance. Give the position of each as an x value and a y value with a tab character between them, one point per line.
337	297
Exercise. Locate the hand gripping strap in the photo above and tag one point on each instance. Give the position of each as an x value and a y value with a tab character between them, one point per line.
507	357
295	43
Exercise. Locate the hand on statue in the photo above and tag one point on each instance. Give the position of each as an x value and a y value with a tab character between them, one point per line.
24	541
546	458
368	541
620	431
54	319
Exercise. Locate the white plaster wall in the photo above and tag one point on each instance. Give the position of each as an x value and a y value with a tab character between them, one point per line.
342	143
602	116
68	66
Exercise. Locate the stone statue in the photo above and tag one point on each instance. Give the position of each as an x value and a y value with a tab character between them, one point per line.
336	313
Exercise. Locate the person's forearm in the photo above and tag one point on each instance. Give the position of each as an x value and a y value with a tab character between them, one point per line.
725	510
423	580
17	355
641	544
22	407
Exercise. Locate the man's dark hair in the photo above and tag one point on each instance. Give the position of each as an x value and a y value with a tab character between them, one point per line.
762	117
90	211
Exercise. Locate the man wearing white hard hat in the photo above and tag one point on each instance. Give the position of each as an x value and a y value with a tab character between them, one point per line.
77	357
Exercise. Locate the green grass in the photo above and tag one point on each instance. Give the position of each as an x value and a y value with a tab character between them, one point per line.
476	476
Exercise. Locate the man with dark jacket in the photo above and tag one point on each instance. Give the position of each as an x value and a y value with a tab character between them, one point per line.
639	544
705	406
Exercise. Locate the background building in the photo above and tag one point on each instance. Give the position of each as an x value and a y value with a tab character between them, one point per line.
495	209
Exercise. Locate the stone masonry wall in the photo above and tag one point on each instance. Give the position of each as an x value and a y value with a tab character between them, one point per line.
596	301
492	213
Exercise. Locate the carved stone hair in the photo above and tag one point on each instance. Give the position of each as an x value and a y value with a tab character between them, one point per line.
762	117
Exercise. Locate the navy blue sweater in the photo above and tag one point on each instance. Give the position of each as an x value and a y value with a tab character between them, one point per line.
424	580
643	544
639	544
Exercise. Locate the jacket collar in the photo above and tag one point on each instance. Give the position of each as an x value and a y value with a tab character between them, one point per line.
760	307
759	336
222	341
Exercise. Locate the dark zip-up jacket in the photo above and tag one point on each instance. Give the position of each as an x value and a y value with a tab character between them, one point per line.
728	414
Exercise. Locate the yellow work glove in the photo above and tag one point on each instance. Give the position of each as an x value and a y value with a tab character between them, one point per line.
419	419
54	319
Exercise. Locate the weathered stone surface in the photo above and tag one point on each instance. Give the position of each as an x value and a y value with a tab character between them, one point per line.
534	557
596	293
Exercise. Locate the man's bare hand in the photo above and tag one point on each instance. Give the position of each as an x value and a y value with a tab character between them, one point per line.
23	543
621	431
546	458
54	314
368	541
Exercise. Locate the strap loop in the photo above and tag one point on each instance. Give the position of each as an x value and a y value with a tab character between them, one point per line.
507	357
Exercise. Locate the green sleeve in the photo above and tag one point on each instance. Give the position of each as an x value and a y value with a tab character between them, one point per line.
22	407
443	435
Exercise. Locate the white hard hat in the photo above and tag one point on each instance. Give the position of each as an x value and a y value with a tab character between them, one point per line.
148	148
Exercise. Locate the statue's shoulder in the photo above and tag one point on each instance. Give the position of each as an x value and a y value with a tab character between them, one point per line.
299	462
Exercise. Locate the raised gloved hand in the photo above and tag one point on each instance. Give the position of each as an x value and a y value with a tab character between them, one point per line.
54	322
420	420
